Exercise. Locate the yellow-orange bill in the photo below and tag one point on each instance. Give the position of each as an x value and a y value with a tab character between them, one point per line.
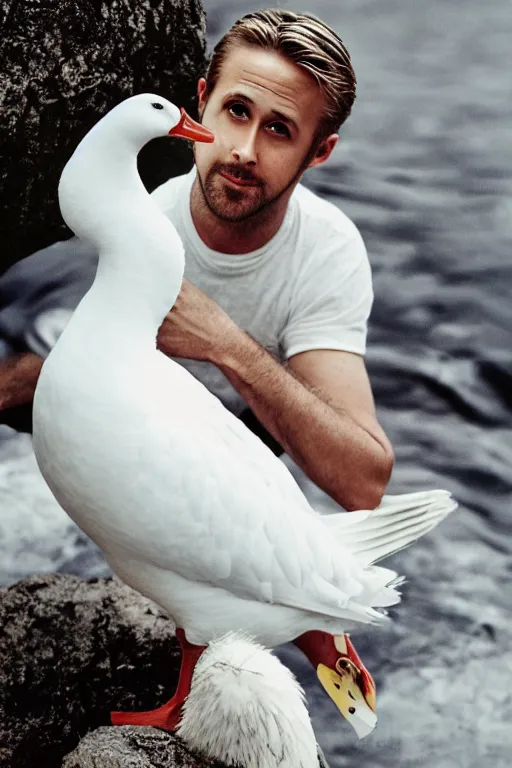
190	129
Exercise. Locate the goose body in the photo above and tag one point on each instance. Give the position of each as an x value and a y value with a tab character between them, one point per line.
189	507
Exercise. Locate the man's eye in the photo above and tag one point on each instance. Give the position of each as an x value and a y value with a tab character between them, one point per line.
238	110
280	129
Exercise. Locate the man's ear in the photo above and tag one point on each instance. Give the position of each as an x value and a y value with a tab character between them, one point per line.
324	150
201	95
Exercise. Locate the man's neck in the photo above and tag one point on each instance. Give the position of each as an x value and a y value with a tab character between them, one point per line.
234	237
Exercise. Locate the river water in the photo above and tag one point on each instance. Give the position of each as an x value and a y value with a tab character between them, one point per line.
424	167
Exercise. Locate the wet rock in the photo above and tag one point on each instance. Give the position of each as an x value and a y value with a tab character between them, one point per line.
64	64
129	747
70	652
126	746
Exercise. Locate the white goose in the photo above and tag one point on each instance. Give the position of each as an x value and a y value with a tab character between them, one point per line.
189	507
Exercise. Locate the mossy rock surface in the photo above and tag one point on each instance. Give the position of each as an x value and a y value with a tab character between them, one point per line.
70	652
64	64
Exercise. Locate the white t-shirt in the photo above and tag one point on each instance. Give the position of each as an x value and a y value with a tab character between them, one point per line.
308	288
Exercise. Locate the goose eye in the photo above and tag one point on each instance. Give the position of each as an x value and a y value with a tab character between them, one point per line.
157	105
351	710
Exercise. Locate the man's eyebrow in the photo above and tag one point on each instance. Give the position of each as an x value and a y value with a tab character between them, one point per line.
238	96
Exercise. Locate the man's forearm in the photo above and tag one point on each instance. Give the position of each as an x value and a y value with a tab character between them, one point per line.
18	379
350	462
345	460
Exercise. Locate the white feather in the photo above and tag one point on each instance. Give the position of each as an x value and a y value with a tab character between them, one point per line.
246	708
395	524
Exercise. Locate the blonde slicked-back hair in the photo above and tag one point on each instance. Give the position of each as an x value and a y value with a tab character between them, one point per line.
304	40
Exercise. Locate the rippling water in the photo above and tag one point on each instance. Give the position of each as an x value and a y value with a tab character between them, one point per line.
425	169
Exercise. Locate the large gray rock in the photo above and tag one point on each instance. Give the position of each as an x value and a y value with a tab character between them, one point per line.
129	747
64	64
70	652
134	747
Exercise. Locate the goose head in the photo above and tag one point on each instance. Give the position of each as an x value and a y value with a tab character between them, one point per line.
146	116
101	174
245	708
343	676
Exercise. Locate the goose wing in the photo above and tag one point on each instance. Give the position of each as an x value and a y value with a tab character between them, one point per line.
239	520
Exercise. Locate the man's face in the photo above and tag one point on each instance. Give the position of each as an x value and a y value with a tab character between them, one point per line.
264	112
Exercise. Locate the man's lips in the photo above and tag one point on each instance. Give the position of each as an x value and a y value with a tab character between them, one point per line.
239	181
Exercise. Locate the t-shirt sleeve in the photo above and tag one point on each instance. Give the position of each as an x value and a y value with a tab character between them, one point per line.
331	300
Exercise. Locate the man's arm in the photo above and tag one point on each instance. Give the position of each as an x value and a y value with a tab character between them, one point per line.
323	422
319	408
18	379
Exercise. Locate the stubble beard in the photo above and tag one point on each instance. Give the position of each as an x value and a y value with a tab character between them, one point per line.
251	205
228	203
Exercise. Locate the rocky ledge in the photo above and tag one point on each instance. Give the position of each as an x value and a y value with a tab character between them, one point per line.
70	652
130	747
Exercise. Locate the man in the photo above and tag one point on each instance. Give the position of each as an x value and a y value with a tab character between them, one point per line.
273	310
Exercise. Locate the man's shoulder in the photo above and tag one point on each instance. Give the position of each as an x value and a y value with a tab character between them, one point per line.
320	216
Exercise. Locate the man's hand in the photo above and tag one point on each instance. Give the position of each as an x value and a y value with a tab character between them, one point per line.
196	327
18	379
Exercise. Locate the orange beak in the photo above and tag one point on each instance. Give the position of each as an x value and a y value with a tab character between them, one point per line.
189	129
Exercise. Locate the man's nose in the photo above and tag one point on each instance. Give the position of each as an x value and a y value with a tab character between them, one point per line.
244	151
